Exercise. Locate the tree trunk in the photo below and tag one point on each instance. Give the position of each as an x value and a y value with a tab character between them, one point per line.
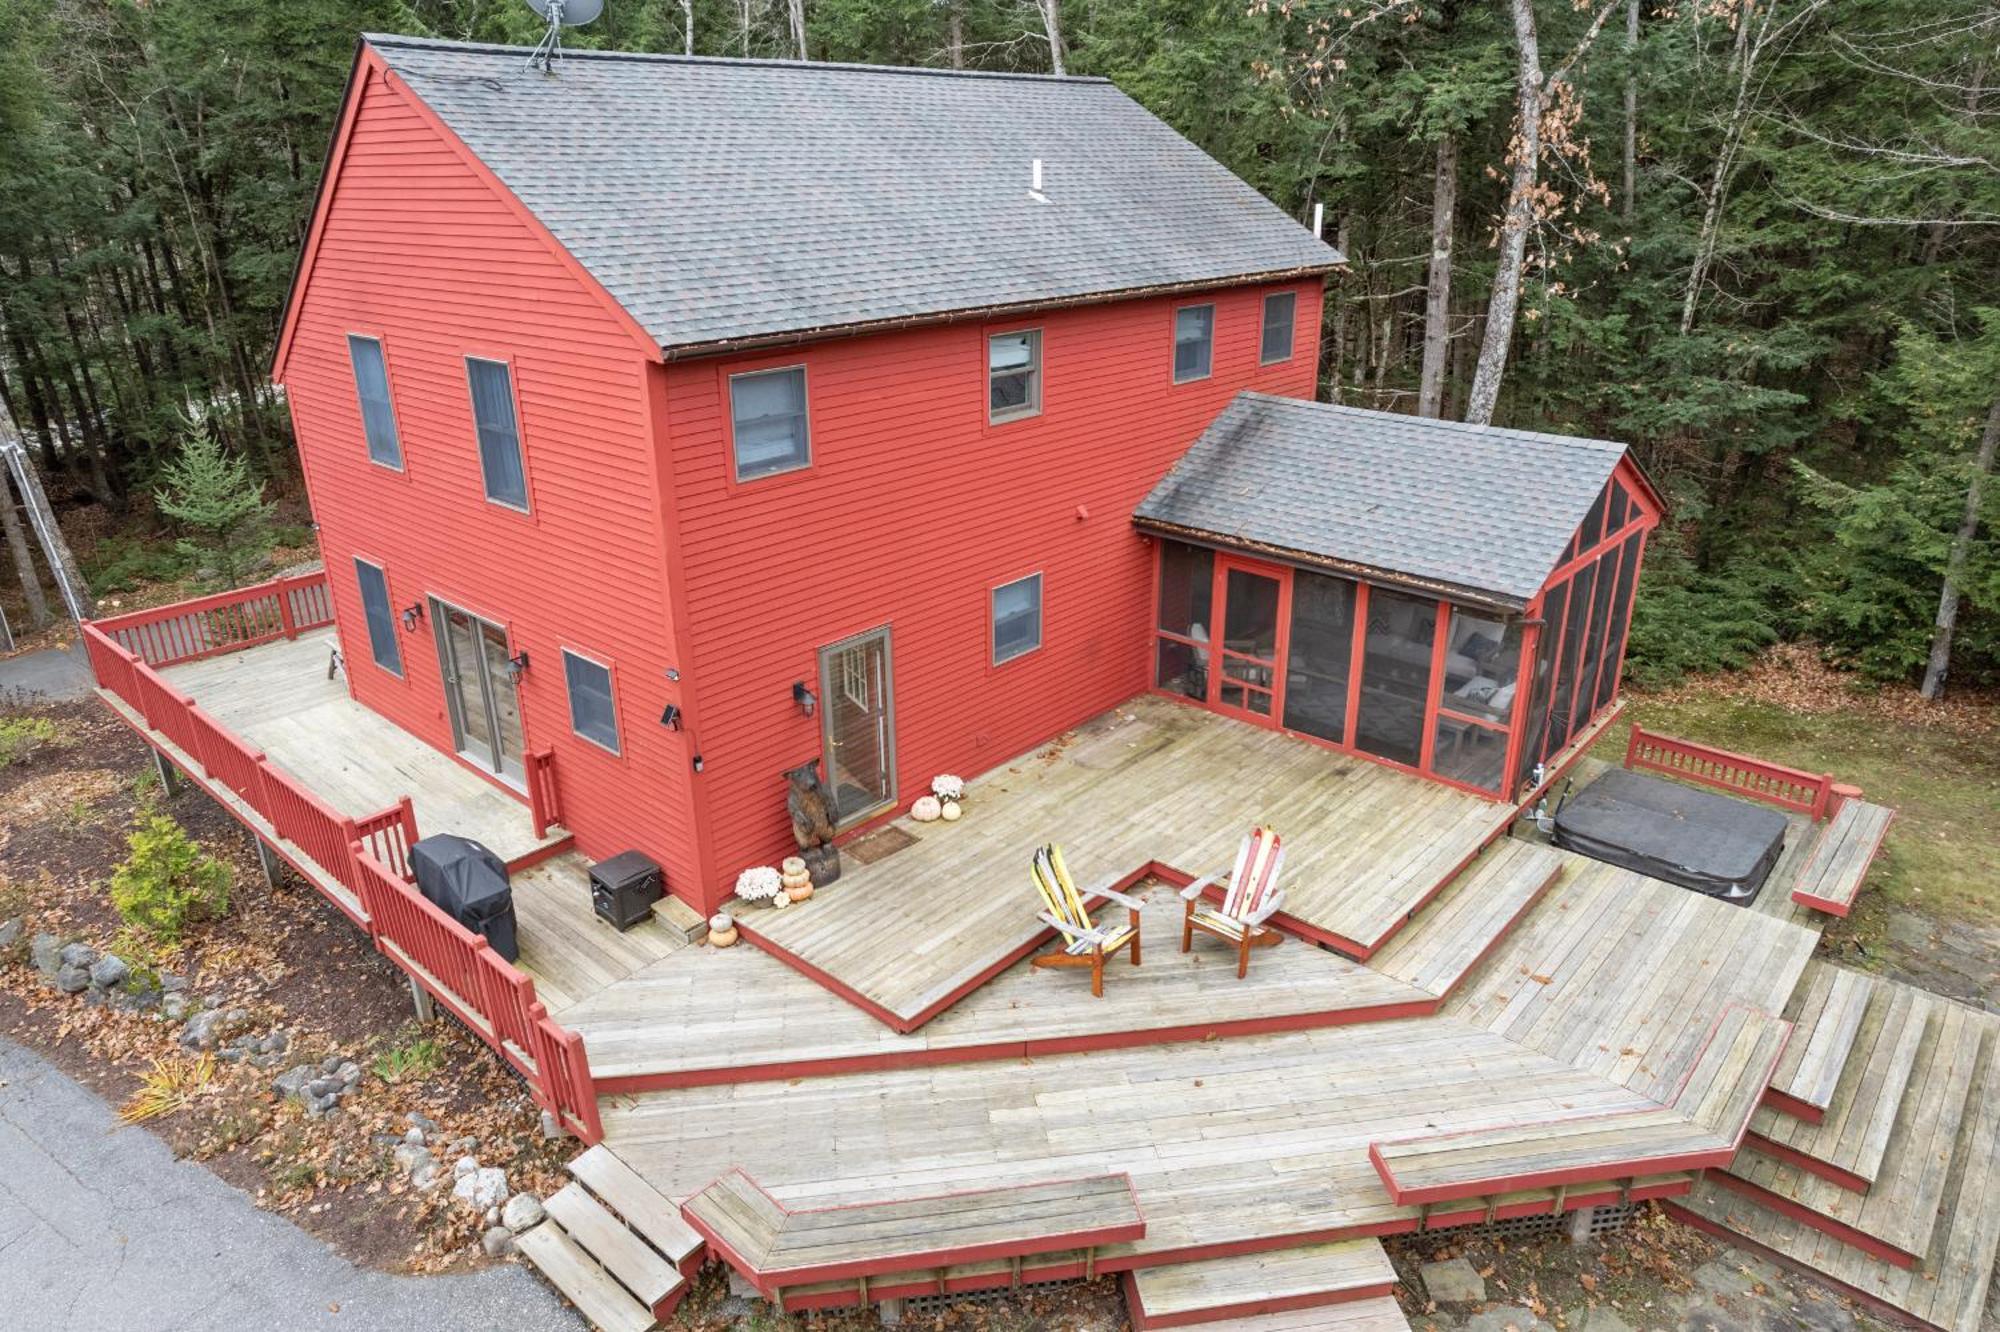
1052	29
1505	299
1961	554
24	560
1342	241
1631	106
1437	297
955	44
69	578
687	27
798	8
1743	63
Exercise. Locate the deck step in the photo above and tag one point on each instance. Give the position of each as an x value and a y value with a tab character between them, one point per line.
1378	1314
618	1249
1846	1147
680	920
1277	1281
1452	936
1829	1012
583	1283
1894	1220
642	1206
1834	869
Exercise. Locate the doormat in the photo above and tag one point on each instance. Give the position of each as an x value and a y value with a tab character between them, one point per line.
878	845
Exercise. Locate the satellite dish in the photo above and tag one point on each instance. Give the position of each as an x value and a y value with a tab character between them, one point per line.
560	14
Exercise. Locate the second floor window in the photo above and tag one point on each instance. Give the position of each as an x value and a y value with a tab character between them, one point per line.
767	413
1194	342
499	432
1013	375
378	415
1280	309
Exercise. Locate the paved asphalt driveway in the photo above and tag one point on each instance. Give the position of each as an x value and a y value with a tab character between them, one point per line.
101	1228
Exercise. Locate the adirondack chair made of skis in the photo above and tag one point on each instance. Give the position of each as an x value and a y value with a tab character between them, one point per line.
1084	943
1253	897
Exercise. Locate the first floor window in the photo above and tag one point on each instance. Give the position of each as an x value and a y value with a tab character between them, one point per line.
1017	618
593	714
378	415
1013	375
1280	309
767	413
380	616
1194	342
499	432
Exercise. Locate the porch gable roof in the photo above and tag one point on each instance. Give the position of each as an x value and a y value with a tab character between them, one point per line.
1440	503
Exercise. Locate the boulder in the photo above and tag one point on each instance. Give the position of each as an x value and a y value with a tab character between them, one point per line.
10	932
482	1188
463	1166
109	971
1453	1281
175	1006
330	1064
414	1137
418	1120
325	1085
78	955
498	1242
411	1155
72	980
349	1074
522	1211
427	1176
292	1082
45	952
208	1028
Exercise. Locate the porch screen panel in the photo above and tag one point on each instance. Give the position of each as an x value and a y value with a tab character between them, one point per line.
1396	676
1594	647
1621	617
1321	655
1576	629
1187	589
1482	663
1535	747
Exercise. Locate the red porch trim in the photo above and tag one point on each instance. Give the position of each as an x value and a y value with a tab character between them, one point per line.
1812	1165
1270	1304
1819	1221
1791	1105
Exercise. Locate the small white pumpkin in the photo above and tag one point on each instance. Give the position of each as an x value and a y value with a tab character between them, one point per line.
781	901
927	809
952	811
791	867
722	920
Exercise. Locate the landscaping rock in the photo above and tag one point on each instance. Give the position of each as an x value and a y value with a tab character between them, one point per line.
72	980
109	972
79	955
206	1029
319	1107
10	932
409	1156
427	1176
1737	1274
498	1242
463	1166
45	953
482	1188
277	1042
292	1082
176	1006
522	1211
552	1127
1453	1281
349	1074
1506	1318
421	1122
465	1146
414	1137
330	1064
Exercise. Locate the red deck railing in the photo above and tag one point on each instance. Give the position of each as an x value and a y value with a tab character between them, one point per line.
1773	783
368	856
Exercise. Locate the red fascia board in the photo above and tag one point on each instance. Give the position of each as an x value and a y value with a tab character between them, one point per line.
1819	1221
1804	1111
1251	1308
1812	1165
1618	1168
1825	904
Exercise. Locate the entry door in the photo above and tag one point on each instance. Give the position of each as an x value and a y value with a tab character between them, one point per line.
1246	675
859	735
479	686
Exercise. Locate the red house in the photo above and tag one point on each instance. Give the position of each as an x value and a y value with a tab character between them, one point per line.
671	423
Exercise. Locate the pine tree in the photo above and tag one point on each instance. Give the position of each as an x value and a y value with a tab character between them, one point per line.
221	502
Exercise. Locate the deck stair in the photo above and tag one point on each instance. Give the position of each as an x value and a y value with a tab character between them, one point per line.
1954	1203
1700	1127
1449	938
1276	1281
1831	877
1848	1143
1827	1017
807	1258
1895	1218
1380	1314
614	1246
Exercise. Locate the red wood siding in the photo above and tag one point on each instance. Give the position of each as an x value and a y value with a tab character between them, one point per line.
913	509
421	249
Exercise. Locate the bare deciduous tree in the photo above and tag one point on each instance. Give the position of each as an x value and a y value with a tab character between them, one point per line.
1437	294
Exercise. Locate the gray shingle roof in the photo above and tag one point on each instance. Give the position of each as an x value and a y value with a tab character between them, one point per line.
719	199
1477	508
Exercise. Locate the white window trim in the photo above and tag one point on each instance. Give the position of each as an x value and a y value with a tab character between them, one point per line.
805	392
520	436
1033	407
993	619
402	665
1175	351
611	687
1264	326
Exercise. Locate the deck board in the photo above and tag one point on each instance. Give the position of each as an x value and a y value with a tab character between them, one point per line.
1150	782
1832	875
1829	1009
1176	1294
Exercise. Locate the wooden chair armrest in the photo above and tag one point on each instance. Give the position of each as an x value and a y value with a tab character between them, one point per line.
1268	910
1068	930
1113	895
1193	891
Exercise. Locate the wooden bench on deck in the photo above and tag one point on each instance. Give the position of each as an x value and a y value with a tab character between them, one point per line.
1831	878
1699	1129
775	1247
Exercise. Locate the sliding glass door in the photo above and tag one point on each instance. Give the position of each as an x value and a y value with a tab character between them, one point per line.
479	690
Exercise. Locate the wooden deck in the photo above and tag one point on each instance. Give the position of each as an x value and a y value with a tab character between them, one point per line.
1832	875
1828	1010
1152	783
278	697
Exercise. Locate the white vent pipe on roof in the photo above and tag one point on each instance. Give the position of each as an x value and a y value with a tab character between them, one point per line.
1319	221
1035	182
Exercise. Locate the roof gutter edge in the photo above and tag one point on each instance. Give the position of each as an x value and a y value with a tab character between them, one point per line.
763	341
1495	601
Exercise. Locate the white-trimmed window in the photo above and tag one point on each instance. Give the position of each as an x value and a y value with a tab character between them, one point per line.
1281	310
768	426
499	432
1017	618
378	413
593	712
1013	375
380	616
1194	342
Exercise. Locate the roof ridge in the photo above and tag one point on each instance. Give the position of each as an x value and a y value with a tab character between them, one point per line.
391	39
1438	422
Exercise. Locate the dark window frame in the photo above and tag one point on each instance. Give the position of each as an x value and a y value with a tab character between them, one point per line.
388	404
736	473
375	644
616	745
1290	326
994	657
479	433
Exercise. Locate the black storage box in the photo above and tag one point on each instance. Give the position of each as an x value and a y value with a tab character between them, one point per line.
624	888
468	883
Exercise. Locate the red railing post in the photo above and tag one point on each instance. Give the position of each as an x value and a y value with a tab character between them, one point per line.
285	619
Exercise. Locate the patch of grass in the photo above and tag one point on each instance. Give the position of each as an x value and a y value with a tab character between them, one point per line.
409	1061
124	563
21	737
171	1084
1942	856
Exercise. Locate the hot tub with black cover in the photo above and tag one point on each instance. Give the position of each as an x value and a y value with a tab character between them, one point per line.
1703	840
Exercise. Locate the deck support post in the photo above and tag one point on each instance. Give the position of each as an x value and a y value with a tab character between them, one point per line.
267	861
890	1312
421	1000
1580	1222
171	781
